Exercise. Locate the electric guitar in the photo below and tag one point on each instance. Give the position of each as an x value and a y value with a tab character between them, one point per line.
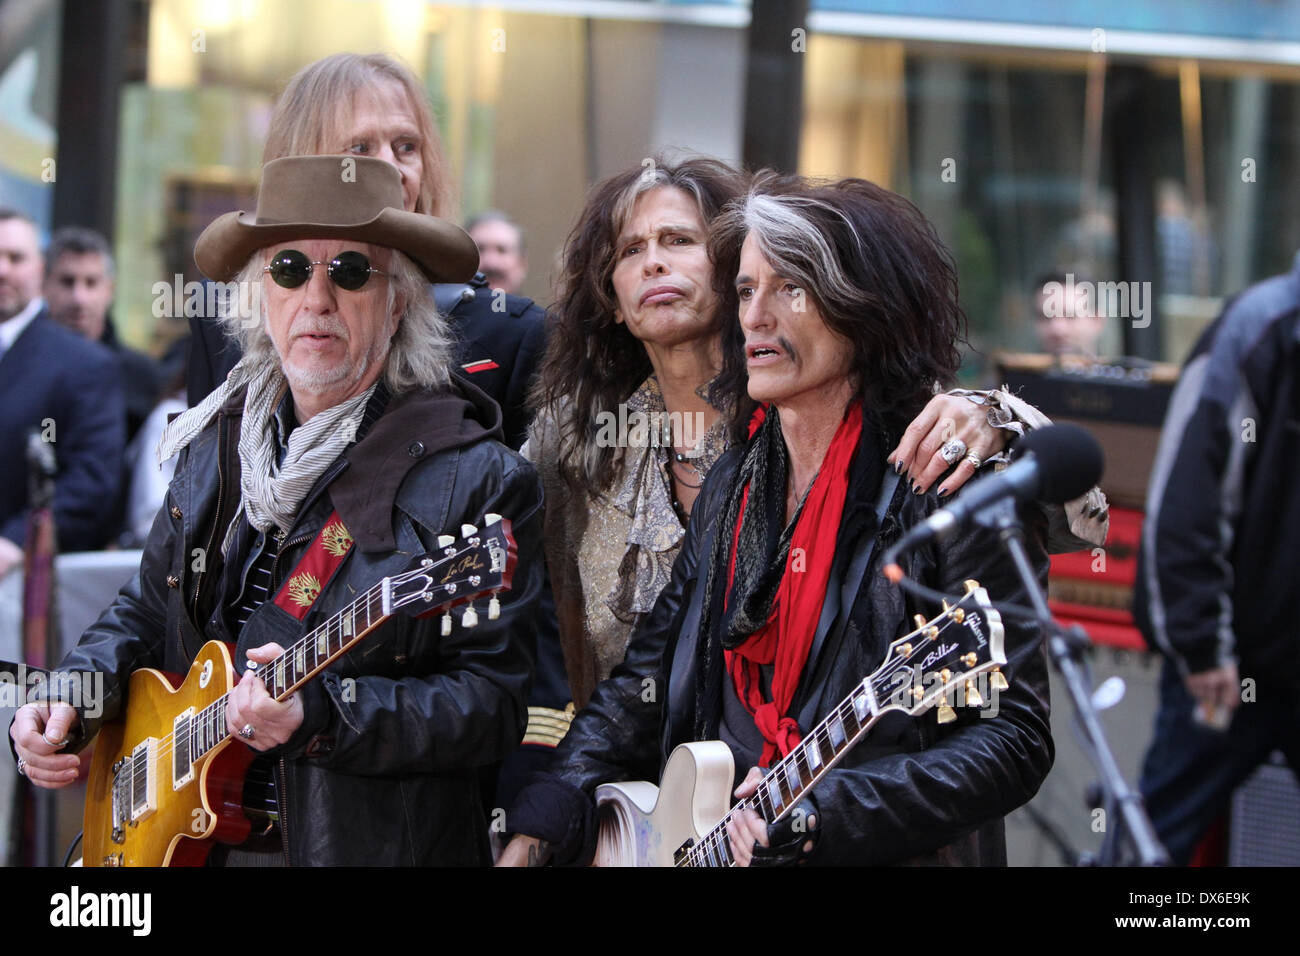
166	779
683	821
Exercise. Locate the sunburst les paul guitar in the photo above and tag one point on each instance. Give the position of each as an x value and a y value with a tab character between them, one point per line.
683	821
166	779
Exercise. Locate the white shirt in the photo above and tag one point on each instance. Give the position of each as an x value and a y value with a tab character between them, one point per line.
10	330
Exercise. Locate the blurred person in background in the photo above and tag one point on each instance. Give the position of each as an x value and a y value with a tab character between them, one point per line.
501	255
1215	589
1066	319
58	385
79	287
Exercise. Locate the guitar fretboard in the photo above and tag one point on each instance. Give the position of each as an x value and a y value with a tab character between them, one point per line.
282	676
794	775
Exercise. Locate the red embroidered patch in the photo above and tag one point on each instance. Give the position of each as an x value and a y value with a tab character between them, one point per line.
483	365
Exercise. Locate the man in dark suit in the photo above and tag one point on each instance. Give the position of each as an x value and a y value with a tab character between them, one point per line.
79	286
64	388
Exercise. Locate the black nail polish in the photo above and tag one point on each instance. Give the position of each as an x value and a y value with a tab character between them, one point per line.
916	488
943	492
898	466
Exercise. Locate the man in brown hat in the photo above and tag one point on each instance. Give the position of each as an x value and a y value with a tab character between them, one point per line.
342	414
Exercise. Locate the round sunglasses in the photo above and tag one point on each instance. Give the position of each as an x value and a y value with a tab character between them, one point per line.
348	270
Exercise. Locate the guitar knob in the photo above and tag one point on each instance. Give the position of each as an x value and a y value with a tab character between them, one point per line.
445	541
973	698
946	714
491	518
468	531
998	680
470	617
446	624
494	608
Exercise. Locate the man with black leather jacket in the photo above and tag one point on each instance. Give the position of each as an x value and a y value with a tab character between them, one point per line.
342	432
776	608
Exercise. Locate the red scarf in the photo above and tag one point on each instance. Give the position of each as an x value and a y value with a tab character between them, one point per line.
787	637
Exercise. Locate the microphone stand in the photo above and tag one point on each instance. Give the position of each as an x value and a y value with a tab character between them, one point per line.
1065	648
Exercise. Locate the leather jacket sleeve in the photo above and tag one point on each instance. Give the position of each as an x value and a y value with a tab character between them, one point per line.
129	635
472	708
975	770
617	735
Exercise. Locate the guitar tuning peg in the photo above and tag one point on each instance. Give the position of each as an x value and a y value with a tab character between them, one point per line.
970	584
468	531
919	620
957	614
446	624
973	698
470	617
491	518
445	541
946	714
494	608
946	606
998	680
968	658
905	650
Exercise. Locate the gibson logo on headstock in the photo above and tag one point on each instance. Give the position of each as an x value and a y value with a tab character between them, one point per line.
973	621
470	562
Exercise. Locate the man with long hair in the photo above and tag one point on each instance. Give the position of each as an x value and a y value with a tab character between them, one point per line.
841	311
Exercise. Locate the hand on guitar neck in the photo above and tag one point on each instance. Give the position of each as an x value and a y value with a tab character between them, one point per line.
271	722
748	828
39	732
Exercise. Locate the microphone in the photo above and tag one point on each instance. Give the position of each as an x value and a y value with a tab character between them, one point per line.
1053	465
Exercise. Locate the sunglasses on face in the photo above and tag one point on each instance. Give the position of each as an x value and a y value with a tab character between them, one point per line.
348	270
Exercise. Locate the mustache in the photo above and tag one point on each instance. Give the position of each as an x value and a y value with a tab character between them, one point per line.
318	326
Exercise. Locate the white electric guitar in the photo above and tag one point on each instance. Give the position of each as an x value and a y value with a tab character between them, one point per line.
683	821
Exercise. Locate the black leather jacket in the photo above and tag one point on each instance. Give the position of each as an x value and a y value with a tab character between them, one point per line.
382	770
912	791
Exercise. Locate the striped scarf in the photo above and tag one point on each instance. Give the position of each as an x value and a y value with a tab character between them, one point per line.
271	491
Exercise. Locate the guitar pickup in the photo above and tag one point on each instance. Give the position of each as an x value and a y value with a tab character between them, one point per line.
182	758
142	782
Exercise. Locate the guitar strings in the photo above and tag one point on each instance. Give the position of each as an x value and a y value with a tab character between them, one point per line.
716	843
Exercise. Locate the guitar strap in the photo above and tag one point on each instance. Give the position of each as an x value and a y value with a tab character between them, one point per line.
317	567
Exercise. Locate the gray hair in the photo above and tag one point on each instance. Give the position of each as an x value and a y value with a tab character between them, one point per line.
795	244
419	355
78	241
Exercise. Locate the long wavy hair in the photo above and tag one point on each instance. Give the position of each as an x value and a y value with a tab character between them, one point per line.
877	272
314	112
593	363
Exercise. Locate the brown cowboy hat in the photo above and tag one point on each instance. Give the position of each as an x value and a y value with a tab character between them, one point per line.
335	197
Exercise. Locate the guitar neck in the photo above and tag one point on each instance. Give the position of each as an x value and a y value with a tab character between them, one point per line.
919	669
301	662
795	774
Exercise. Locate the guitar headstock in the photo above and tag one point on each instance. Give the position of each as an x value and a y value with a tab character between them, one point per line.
479	562
941	659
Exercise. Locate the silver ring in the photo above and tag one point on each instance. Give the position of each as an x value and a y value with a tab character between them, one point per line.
22	767
952	450
247	732
974	459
